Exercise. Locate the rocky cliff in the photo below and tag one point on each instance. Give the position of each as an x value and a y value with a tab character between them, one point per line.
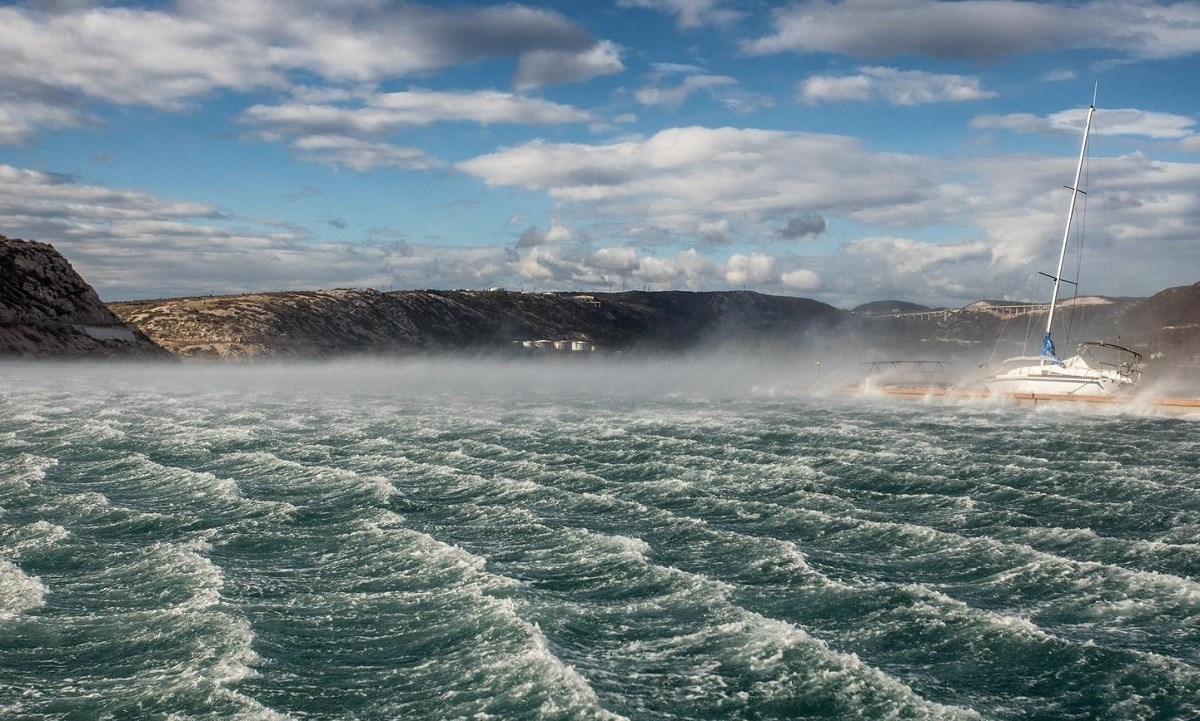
47	310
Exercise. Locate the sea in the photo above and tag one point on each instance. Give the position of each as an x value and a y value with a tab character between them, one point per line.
672	538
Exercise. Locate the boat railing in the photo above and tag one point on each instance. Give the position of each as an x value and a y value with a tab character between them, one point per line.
923	372
1124	361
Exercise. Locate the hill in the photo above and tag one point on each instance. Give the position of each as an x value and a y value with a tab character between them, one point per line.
341	321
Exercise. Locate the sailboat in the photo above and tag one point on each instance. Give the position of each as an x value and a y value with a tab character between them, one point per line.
1097	369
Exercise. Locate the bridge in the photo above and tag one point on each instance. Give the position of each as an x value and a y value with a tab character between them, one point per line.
1015	310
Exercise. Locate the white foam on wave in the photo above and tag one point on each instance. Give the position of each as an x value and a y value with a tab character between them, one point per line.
533	670
188	560
326	478
781	661
37	535
218	643
863	690
573	692
26	470
19	592
199	483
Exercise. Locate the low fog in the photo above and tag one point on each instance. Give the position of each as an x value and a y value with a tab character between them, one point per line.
822	368
713	375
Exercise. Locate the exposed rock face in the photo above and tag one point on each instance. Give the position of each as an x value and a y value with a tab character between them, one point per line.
1168	322
335	322
48	310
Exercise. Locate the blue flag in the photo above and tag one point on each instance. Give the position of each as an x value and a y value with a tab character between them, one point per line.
1048	347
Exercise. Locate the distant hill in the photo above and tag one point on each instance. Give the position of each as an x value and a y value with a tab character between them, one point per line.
48	311
1167	323
336	322
889	307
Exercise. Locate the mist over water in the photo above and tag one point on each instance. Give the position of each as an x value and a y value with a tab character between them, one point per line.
703	537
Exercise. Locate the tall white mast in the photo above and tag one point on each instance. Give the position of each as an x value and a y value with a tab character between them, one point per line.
1062	255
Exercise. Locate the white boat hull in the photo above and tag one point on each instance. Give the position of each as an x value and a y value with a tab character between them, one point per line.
1073	377
1065	384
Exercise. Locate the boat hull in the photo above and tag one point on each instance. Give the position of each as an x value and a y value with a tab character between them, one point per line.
1058	385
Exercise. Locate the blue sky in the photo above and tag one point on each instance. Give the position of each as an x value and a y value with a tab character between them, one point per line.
846	151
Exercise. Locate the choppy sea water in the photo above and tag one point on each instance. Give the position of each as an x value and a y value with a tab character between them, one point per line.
461	540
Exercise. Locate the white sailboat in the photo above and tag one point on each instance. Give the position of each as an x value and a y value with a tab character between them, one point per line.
1097	369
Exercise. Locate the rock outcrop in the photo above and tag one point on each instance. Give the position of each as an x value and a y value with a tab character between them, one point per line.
48	311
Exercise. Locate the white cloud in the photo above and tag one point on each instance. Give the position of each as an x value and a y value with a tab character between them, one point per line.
548	67
557	232
673	97
680	177
755	268
899	87
835	88
20	119
330	133
689	13
167	57
801	280
687	269
981	29
389	112
1127	121
129	56
367	40
540	265
360	155
715	232
615	259
1059	75
903	257
533	236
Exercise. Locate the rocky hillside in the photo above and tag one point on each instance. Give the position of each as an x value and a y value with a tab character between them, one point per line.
48	311
1165	328
1168	321
336	322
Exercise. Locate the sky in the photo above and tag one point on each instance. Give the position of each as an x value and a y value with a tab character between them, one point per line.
848	151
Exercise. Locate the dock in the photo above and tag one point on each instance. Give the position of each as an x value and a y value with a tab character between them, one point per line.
1179	406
